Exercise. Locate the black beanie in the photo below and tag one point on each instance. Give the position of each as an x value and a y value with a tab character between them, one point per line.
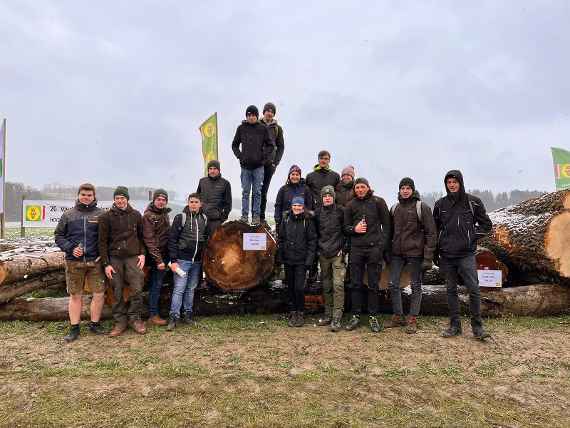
121	191
252	110
214	164
159	192
407	181
269	106
361	180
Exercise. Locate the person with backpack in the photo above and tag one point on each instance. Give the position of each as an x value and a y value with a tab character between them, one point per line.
216	196
461	220
413	244
296	250
186	243
295	186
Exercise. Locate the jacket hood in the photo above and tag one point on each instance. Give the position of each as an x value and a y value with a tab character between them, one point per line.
415	197
317	167
156	210
129	209
245	122
80	206
273	121
186	210
455	173
349	185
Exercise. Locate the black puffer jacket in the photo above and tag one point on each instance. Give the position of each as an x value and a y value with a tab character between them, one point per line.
276	135
320	178
287	193
377	215
187	241
256	148
461	220
297	240
216	196
329	221
79	225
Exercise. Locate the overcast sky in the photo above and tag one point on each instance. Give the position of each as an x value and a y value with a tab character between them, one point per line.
113	92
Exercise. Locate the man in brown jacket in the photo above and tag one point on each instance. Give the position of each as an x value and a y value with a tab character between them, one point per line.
122	252
156	226
413	243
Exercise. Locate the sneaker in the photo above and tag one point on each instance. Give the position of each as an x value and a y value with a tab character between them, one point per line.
336	325
187	319
452	331
375	325
156	320
171	324
354	323
479	333
300	319
411	325
255	220
292	319
244	219
326	320
395	321
96	328
73	334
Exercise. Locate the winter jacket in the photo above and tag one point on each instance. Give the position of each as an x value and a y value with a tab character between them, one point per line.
277	141
375	211
120	234
412	236
461	220
216	196
256	147
320	178
287	193
344	193
156	225
187	241
297	240
79	225
329	222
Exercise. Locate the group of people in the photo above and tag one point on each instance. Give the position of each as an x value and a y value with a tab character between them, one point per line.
328	220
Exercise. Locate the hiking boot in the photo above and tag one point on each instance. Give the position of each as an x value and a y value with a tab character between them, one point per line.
255	220
395	321
375	325
452	331
335	324
171	324
244	219
354	323
479	333
326	320
411	325
96	328
187	319
138	326
156	320
300	319
118	329
73	334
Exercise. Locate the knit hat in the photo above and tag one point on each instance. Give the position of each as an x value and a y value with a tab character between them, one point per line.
407	181
328	190
214	164
294	168
121	191
298	200
160	192
252	110
269	106
348	170
361	180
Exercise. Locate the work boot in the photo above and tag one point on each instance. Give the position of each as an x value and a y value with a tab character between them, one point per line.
255	220
138	326
479	333
326	320
300	319
118	329
354	323
375	325
336	324
292	318
187	319
171	324
453	330
395	321
156	320
244	219
73	334
96	328
411	325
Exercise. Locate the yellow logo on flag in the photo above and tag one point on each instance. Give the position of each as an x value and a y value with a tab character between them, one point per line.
34	212
565	170
209	130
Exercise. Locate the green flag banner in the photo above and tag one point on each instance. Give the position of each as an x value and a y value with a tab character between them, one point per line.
209	131
561	159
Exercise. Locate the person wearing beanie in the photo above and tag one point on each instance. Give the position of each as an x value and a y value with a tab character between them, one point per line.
413	244
461	220
296	250
253	148
321	176
367	223
277	149
294	186
122	252
345	189
156	226
216	195
77	236
329	219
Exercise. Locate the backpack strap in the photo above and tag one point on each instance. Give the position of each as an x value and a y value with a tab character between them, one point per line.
419	212
393	208
183	221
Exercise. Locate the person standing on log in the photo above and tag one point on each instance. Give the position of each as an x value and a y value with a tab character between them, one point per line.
122	251
295	186
367	223
413	244
77	236
254	155
345	189
321	176
186	243
216	196
461	220
156	225
329	219
278	147
297	248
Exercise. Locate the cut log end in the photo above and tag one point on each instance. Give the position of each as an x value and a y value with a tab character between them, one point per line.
557	242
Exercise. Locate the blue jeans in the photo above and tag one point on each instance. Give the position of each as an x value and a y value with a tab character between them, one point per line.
183	292
156	279
251	180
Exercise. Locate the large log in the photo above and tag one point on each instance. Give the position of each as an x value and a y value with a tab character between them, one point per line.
50	280
22	267
229	266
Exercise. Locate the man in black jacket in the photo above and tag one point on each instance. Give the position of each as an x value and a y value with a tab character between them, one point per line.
253	138
216	195
461	220
277	149
322	176
367	222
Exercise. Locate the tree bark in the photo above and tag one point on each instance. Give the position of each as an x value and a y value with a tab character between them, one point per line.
25	266
49	280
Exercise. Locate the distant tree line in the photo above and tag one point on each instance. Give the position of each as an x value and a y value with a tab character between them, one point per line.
492	201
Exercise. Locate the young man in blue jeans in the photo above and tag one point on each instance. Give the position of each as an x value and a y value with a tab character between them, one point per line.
188	237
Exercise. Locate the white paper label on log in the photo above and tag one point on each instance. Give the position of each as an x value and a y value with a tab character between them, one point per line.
254	241
490	278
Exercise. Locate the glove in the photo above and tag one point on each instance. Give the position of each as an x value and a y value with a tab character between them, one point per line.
427	264
388	257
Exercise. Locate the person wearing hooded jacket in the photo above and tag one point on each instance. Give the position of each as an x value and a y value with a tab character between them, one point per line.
461	220
216	195
295	186
413	244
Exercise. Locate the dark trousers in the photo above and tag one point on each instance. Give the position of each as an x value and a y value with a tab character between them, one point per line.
396	267
369	259
295	278
465	267
155	284
212	226
127	274
268	172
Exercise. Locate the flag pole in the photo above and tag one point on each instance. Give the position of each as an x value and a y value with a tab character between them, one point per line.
3	215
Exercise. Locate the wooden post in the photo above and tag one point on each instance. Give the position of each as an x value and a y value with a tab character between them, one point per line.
22	228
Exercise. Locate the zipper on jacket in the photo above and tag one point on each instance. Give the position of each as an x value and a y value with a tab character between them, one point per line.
84	239
197	238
